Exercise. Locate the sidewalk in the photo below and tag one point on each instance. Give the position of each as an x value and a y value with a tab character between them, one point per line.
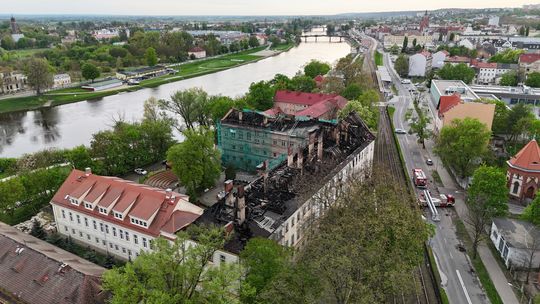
495	272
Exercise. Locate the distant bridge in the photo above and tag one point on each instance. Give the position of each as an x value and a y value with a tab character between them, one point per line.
330	36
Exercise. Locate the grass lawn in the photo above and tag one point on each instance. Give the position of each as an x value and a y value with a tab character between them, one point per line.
378	58
479	267
283	47
26	52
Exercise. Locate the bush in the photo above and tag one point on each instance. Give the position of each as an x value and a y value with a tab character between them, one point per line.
230	173
8	166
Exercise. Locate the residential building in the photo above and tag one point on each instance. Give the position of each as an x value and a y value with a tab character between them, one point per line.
12	82
466	43
512	95
61	81
455	60
486	72
33	271
283	201
420	64
197	52
391	40
452	107
449	87
523	174
529	63
517	242
493	21
120	217
438	59
311	105
105	34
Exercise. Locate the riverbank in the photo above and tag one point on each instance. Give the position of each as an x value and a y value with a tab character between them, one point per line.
186	71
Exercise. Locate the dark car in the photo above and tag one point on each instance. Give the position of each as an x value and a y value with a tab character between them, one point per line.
429	162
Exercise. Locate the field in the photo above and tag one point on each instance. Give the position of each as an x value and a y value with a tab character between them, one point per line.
25	53
378	58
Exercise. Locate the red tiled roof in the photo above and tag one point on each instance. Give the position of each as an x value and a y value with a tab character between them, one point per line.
458	59
319	78
179	220
302	98
483	65
196	49
146	201
273	111
448	102
529	58
527	158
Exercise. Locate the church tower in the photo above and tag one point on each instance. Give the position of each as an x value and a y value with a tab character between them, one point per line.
14	27
424	24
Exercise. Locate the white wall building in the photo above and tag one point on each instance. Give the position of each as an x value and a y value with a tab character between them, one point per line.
61	81
120	217
466	43
438	59
419	64
197	52
515	240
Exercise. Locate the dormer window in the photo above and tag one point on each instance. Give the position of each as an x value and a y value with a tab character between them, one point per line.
103	210
74	201
139	222
118	215
88	206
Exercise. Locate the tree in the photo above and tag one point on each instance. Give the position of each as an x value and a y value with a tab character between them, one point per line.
90	71
405	44
394	49
196	161
402	65
527	29
452	36
487	197
7	43
352	91
457	72
532	211
261	95
38	73
80	158
190	105
500	118
533	80
37	230
509	79
419	125
151	56
218	106
520	117
508	56
176	272
315	68
303	83
414	43
522	31
263	260
11	192
462	144
253	41
151	109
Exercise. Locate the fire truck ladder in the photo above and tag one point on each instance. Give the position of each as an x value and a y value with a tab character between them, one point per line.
434	213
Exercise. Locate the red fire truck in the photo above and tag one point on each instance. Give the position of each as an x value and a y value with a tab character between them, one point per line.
444	200
419	178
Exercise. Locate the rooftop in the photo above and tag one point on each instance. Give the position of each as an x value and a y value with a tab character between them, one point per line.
35	271
528	158
448	102
518	233
529	58
449	87
155	206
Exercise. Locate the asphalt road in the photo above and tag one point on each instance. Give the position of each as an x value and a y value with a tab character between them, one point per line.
460	283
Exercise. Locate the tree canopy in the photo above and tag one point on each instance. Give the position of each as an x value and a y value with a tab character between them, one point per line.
402	65
90	71
261	95
462	145
457	72
151	56
533	80
509	79
508	56
315	67
38	73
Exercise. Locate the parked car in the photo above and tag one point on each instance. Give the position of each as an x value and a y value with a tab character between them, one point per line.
429	162
400	131
405	81
141	171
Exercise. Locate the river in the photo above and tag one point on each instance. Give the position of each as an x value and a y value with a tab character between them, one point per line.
73	124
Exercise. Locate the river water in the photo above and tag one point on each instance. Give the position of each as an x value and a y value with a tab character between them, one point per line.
73	124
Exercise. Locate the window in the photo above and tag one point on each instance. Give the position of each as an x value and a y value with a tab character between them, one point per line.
127	236
283	143
123	250
72	231
95	225
221	258
121	234
74	201
88	206
118	215
135	239
66	228
78	219
111	245
97	240
129	252
248	135
515	189
88	236
104	243
145	224
114	231
144	242
64	213
101	227
103	210
80	234
275	142
86	222
71	217
116	247
107	229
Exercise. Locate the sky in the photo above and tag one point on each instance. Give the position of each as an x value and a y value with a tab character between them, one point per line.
238	7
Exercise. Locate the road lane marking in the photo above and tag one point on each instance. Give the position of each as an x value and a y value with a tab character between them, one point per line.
451	256
463	286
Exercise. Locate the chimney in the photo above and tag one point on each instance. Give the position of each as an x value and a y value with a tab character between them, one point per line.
87	171
240	115
229	197
240	206
320	147
168	193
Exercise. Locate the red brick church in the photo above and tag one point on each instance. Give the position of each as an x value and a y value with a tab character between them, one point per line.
523	175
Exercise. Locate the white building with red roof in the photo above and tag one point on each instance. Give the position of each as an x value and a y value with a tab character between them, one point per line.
312	105
197	52
523	175
529	63
120	217
420	64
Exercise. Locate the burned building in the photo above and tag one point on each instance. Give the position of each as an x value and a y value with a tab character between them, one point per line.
316	161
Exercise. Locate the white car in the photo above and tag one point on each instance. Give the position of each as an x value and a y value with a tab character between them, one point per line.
400	131
405	81
141	171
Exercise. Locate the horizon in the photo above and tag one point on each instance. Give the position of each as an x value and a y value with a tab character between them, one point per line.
216	8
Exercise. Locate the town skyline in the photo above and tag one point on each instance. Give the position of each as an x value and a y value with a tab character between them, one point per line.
240	7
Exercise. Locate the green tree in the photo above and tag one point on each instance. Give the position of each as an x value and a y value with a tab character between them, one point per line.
196	161
522	31
151	56
487	197
38	73
11	192
533	80
7	43
405	44
80	158
462	144
527	29
500	119
262	259
303	83
253	41
190	105
90	71
414	43
37	230
419	125
315	68
219	105
352	91
402	65
452	36
520	117
509	79
457	72
532	211
394	49
176	272
508	56
261	95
